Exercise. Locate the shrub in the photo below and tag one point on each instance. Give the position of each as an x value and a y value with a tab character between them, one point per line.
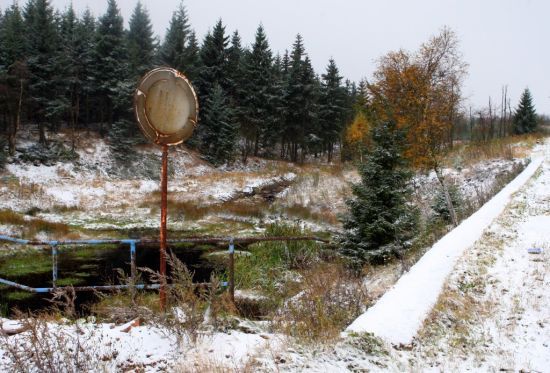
329	300
439	203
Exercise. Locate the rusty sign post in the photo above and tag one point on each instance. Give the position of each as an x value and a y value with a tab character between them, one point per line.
166	109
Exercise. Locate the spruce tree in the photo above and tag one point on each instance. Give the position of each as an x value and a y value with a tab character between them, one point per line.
219	141
301	98
525	117
110	65
312	142
258	87
42	44
380	222
191	61
272	130
235	66
12	36
173	50
213	71
293	132
332	108
214	61
85	55
141	43
236	91
13	73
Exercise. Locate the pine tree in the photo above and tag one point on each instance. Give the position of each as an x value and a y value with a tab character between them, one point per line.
191	61
235	66
173	50
13	72
272	130
236	92
141	43
85	52
332	108
219	141
213	71
293	132
42	43
214	61
66	73
301	98
258	86
12	36
525	117
380	223
312	142
110	66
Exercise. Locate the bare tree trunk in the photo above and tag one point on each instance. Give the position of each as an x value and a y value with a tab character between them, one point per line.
42	134
471	126
448	200
491	121
12	137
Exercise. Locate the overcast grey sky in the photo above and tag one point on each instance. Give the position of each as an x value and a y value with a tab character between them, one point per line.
505	42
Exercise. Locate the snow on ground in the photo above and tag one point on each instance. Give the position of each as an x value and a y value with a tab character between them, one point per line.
398	315
492	314
142	348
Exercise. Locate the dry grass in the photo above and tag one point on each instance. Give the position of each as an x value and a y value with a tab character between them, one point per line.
330	298
470	153
11	217
32	226
46	347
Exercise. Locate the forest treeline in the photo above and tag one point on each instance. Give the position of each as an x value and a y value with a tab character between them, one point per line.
60	70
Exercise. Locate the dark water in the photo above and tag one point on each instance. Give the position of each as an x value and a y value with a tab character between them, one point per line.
92	266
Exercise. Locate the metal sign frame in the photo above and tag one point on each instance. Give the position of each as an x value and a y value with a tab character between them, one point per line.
163	97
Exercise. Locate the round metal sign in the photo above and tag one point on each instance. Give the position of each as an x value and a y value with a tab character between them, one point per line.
166	106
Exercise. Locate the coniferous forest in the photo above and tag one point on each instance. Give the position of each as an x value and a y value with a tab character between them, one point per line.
62	71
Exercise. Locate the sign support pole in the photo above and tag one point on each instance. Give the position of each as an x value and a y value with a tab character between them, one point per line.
163	213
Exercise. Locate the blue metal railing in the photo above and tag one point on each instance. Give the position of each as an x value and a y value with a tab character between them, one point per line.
53	245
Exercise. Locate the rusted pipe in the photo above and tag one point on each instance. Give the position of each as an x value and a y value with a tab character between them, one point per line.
163	214
213	240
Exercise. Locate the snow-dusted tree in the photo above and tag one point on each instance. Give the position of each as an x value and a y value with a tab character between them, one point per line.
332	108
301	102
272	130
13	72
191	61
42	43
219	142
174	49
85	51
258	98
525	117
213	71
141	42
110	65
380	221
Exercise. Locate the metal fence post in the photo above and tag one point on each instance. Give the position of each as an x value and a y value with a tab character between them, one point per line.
54	264
133	270
232	270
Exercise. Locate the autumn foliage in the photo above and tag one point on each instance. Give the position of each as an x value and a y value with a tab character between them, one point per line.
421	92
358	134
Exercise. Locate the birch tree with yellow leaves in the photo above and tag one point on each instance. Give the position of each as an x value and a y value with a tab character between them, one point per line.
421	91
